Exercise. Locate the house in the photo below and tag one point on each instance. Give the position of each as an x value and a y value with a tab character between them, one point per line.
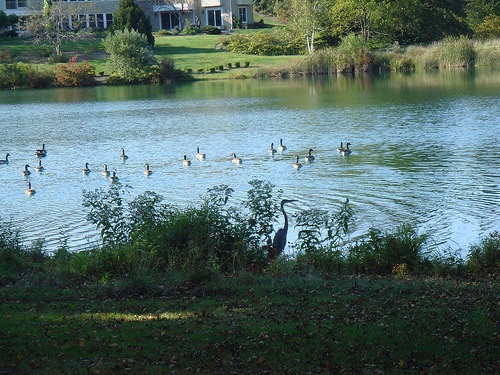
164	14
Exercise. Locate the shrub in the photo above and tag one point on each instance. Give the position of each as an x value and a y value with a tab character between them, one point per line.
211	30
384	253
484	258
166	70
75	74
489	28
131	58
20	75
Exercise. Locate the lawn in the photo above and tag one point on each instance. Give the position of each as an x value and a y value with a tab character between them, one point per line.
253	324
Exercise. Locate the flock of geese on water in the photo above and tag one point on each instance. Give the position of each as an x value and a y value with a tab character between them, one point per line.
344	151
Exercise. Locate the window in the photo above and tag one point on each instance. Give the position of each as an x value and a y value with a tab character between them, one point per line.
14	4
169	20
109	20
214	17
242	14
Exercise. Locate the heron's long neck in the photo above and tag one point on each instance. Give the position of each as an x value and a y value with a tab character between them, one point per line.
286	218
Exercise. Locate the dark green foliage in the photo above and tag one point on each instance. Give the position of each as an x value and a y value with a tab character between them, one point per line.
20	75
129	16
386	253
211	30
484	258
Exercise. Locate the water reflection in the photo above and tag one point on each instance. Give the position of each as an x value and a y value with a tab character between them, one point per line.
425	148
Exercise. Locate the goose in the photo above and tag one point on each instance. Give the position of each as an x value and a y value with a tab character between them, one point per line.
114	177
86	169
105	171
26	172
186	162
272	150
346	151
341	148
42	152
199	155
123	156
6	161
297	165
309	157
29	190
235	159
281	147
39	167
147	171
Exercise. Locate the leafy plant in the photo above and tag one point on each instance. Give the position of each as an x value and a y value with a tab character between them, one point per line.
484	258
74	74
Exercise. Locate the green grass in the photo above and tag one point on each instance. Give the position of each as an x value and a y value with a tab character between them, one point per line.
200	52
253	324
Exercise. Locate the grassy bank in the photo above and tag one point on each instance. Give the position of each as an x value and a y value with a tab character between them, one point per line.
206	56
253	324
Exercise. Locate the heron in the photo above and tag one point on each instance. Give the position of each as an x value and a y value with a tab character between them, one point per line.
281	147
147	171
86	169
39	167
123	156
42	152
6	161
309	157
279	241
200	155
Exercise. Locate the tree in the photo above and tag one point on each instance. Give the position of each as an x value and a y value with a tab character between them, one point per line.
307	20
131	57
52	25
129	16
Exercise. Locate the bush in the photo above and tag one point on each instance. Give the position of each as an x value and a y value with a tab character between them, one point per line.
211	30
131	58
386	253
484	258
75	74
20	75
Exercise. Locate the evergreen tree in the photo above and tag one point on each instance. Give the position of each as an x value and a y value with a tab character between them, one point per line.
130	16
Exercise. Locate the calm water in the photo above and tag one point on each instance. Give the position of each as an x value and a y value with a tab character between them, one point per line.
426	149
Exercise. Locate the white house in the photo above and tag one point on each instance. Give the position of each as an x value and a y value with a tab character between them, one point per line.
164	14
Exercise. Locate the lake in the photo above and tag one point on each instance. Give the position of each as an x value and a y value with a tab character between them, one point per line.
425	149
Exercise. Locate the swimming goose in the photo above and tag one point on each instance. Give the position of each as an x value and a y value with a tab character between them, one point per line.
105	171
199	155
235	159
346	151
123	156
186	162
26	172
86	169
297	165
42	152
147	171
272	150
114	177
6	161
341	148
39	167
309	157
281	147
29	190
